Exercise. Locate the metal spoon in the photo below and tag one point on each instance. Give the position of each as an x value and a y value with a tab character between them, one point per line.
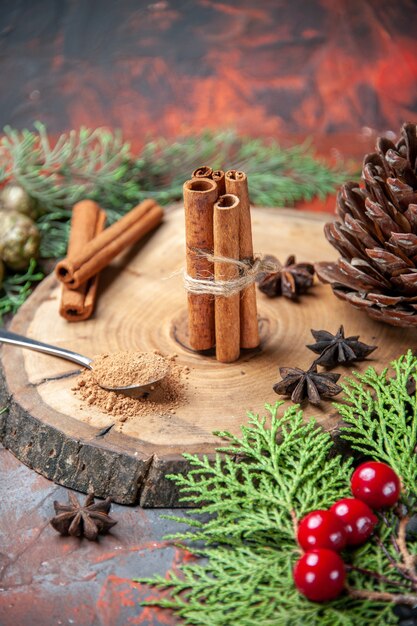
25	342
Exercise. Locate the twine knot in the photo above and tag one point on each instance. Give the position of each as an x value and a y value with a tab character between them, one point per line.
248	271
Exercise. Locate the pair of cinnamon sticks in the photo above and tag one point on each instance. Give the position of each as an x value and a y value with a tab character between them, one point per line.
91	247
218	223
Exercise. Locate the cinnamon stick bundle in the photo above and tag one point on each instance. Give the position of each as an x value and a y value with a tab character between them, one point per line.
87	221
200	194
76	269
237	183
226	244
205	171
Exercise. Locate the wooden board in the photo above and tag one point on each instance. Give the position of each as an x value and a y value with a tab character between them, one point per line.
142	306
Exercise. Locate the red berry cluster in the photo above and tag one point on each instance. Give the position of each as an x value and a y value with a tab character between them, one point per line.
320	573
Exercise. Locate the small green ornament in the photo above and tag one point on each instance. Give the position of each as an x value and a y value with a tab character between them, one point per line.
19	239
14	198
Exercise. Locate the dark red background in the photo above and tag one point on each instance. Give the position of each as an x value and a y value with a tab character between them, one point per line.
269	67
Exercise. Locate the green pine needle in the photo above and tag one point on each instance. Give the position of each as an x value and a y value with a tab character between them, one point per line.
381	416
80	164
16	289
99	164
261	482
270	490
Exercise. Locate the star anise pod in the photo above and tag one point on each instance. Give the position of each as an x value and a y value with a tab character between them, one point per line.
86	520
310	384
290	280
334	349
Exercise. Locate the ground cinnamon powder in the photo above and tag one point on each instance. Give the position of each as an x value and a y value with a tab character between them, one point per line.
129	368
164	396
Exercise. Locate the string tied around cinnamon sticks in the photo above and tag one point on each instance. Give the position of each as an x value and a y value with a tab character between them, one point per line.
248	270
218	225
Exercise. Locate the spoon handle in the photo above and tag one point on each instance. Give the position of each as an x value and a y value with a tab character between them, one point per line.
24	342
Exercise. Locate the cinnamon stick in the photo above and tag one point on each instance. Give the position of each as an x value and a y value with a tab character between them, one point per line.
226	244
237	183
87	221
76	269
202	172
219	177
200	194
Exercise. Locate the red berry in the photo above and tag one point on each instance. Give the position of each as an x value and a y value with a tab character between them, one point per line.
376	484
320	575
321	529
358	519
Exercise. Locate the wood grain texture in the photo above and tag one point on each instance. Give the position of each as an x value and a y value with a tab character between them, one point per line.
142	306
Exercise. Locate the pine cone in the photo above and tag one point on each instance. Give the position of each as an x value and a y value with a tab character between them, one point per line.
377	235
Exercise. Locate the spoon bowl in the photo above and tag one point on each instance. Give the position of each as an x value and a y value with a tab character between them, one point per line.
32	344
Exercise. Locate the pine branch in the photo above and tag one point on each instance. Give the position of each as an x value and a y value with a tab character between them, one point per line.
278	177
281	480
80	164
98	164
252	586
16	288
262	481
381	417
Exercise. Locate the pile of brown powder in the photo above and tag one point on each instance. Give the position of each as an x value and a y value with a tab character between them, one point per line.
164	396
123	369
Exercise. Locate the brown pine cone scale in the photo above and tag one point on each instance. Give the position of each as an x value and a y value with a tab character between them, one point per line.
376	234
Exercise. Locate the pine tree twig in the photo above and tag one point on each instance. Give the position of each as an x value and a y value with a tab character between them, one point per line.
294	522
393	538
372	574
380	417
408	559
394	542
17	287
398	566
382	596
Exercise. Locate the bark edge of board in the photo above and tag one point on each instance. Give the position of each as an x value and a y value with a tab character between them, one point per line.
52	453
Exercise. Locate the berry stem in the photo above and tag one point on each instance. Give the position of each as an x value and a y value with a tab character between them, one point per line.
294	522
407	568
394	530
372	574
409	559
398	567
384	596
392	535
